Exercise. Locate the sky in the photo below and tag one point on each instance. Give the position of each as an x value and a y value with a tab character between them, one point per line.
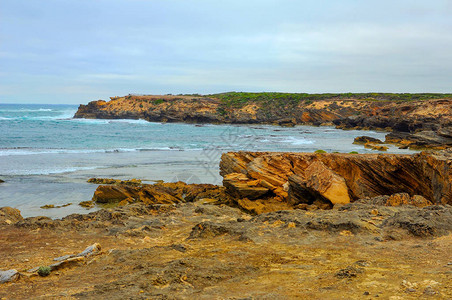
75	51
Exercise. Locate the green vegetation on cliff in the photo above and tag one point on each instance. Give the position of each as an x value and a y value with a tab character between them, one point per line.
239	99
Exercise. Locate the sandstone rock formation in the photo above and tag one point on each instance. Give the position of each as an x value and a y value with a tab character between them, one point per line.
159	193
338	178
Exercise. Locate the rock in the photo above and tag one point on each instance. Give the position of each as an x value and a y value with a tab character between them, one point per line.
102	180
341	178
47	206
429	221
287	122
375	147
362	140
1	181
420	140
429	291
405	199
349	272
90	250
131	182
9	275
67	263
87	204
209	230
260	206
159	193
240	186
9	215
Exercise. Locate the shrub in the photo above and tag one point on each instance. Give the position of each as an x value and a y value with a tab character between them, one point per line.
320	151
44	271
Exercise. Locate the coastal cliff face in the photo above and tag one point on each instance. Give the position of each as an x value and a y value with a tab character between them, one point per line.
304	178
414	124
191	109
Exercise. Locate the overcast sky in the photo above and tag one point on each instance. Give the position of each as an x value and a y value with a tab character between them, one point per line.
75	51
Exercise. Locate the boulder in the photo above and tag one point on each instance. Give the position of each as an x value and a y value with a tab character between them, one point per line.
317	182
287	122
9	215
362	140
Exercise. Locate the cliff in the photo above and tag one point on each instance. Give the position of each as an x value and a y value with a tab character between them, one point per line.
422	123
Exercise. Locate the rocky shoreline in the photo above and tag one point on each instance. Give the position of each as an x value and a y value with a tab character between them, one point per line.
415	124
283	225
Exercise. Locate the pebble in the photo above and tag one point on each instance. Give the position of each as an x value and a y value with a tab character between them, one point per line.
429	291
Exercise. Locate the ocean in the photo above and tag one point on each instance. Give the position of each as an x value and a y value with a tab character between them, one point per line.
46	156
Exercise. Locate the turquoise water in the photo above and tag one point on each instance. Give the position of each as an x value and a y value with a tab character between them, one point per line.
46	156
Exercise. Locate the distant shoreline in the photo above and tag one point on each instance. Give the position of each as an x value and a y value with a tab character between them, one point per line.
416	121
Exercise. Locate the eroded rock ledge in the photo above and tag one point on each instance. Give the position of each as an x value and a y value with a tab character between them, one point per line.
304	178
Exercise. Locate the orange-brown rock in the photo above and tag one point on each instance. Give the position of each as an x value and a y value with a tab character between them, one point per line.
339	178
132	182
240	186
261	206
375	147
366	139
405	199
160	193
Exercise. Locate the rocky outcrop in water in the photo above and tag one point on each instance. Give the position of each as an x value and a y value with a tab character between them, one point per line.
416	125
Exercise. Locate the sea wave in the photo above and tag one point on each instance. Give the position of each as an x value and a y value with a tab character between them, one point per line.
20	110
49	171
34	151
297	141
64	115
111	121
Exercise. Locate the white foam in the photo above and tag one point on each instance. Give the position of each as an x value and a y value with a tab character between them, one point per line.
48	171
298	141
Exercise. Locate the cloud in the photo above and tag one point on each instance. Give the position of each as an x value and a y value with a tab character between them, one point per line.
116	46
